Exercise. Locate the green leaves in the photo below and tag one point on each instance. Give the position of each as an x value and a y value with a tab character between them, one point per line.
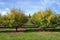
16	18
44	19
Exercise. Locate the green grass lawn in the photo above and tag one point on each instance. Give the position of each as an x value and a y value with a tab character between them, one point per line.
30	36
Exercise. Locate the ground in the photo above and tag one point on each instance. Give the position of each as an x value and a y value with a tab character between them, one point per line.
30	36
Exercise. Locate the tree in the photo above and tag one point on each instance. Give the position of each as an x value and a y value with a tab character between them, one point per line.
29	16
37	19
58	19
44	19
16	18
1	24
50	17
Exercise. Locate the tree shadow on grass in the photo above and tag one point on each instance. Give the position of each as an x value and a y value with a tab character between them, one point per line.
8	31
53	30
31	30
41	30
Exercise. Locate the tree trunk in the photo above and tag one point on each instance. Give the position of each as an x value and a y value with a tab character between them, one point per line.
16	29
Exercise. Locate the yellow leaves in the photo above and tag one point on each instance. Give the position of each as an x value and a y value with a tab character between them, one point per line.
51	17
43	18
14	18
17	17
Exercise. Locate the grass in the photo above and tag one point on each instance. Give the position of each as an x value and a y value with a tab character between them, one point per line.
30	36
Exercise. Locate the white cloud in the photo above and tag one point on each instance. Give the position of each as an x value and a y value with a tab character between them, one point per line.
5	11
50	2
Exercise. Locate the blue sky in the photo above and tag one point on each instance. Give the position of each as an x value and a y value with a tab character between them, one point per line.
29	6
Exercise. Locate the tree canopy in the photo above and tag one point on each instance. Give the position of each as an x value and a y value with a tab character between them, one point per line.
44	19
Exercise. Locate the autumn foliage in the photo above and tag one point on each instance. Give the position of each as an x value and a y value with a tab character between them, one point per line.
44	19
